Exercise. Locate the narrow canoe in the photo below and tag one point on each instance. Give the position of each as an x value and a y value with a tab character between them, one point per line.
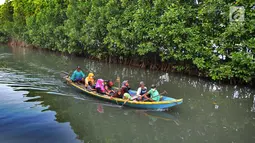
166	102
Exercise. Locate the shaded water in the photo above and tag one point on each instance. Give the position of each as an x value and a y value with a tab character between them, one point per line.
37	106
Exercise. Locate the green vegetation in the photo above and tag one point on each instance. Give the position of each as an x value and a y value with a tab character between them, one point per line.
174	35
3	64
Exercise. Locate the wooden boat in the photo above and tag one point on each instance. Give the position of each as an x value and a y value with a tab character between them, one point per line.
164	103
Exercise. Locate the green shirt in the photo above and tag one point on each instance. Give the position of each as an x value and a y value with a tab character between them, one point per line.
154	95
127	96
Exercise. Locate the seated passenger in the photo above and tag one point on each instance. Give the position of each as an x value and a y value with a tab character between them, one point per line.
109	88
141	90
90	87
117	94
128	97
125	87
78	75
154	95
100	86
90	78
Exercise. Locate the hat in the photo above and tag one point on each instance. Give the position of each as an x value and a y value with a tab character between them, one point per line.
78	67
153	86
141	83
90	75
124	82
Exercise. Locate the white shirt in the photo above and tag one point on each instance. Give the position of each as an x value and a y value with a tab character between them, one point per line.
139	90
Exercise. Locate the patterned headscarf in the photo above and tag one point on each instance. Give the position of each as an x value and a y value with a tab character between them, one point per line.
124	83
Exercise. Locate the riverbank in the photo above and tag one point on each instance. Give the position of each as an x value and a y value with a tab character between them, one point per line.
185	68
150	62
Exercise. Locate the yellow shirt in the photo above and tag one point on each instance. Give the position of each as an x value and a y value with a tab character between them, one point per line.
89	78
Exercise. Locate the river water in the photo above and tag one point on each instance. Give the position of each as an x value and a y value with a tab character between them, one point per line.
36	105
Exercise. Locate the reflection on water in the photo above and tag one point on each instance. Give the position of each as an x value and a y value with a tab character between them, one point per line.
37	106
100	108
253	106
100	122
22	122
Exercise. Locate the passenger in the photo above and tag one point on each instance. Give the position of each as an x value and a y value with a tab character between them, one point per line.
154	95
109	88
78	76
90	87
100	86
117	94
127	96
125	87
90	78
141	90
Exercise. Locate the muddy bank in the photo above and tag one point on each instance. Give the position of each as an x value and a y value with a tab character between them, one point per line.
17	43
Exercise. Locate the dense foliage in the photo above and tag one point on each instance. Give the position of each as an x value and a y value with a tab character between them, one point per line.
186	35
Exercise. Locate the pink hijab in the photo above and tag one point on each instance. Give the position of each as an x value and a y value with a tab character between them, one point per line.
100	84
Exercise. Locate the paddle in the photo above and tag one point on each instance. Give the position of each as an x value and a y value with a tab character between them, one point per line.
164	92
125	102
118	80
64	72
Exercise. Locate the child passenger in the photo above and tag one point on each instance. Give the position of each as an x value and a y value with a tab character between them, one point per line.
90	87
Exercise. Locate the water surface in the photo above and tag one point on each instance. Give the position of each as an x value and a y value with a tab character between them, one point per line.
36	105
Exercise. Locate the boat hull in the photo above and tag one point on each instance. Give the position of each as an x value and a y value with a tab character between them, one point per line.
166	102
